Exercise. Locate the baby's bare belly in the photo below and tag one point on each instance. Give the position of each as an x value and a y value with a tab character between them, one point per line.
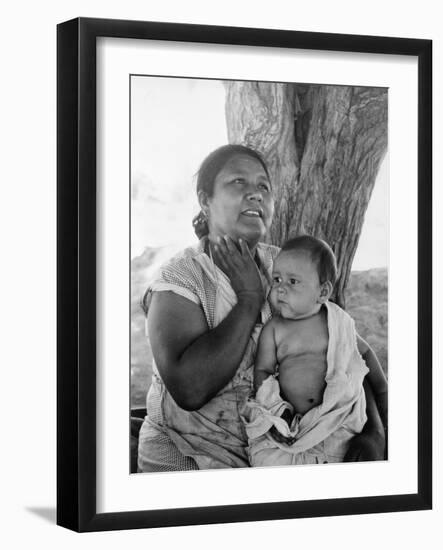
302	381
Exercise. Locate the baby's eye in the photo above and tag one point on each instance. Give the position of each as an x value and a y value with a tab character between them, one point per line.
276	280
294	281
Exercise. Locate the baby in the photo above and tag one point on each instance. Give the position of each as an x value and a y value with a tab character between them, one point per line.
318	404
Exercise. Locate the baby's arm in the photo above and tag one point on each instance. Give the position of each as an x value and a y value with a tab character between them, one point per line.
265	364
376	378
266	358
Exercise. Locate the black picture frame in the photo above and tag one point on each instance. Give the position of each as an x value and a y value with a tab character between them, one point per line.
76	273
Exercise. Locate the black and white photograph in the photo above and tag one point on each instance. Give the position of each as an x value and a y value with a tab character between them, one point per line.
259	263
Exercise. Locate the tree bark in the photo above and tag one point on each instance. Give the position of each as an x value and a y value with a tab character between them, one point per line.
323	146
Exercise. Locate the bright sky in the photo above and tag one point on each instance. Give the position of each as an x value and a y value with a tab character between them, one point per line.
175	124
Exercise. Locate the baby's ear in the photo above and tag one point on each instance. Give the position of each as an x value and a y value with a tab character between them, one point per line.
325	292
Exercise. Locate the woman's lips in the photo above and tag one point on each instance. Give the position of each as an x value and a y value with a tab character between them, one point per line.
251	213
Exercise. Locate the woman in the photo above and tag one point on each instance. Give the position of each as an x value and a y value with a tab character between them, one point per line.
205	312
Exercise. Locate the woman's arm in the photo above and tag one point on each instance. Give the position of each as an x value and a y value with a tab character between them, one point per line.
377	379
195	363
371	443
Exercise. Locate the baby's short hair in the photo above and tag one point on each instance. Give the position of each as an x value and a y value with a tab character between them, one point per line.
320	253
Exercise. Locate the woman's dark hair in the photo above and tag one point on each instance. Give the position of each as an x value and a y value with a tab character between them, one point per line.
209	170
320	253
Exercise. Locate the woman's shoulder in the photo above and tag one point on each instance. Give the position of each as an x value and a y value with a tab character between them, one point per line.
184	267
178	273
182	257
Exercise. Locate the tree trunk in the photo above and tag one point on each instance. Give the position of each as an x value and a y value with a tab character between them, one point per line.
261	115
323	146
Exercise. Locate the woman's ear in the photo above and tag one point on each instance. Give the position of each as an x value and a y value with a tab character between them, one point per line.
325	292
203	201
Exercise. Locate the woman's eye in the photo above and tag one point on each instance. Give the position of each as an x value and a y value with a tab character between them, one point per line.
239	180
265	187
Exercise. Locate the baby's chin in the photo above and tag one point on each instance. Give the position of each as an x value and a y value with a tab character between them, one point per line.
286	312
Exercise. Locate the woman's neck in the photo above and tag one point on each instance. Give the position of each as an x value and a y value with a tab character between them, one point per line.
252	246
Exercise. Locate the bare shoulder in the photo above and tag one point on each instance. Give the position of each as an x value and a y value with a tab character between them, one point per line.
269	329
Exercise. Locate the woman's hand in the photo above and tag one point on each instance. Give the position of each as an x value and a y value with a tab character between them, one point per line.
366	446
238	264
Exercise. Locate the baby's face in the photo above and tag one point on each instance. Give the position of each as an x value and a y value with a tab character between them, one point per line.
296	285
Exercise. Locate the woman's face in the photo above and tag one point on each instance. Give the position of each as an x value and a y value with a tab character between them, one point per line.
242	204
